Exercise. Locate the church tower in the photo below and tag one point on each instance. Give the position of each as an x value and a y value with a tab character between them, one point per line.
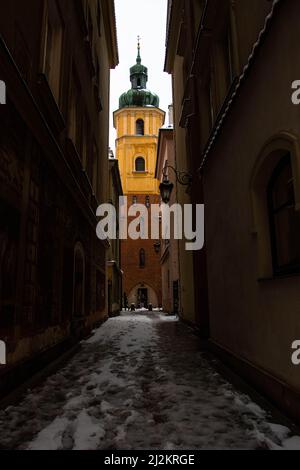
137	122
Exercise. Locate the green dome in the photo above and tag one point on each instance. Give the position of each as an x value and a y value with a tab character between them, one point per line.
138	95
140	98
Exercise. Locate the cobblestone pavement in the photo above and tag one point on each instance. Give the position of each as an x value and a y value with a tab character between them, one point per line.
140	382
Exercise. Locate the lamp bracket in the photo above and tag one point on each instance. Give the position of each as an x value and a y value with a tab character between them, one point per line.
183	178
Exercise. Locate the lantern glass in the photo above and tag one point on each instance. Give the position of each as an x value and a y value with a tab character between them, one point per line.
166	188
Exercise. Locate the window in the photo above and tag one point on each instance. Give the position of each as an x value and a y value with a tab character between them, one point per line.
97	69
140	127
90	26
230	55
85	142
142	258
147	202
75	114
53	49
134	200
99	17
284	219
211	102
94	178
140	165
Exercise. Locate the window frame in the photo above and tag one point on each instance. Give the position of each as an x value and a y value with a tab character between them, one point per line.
278	269
53	58
142	258
75	121
139	160
140	122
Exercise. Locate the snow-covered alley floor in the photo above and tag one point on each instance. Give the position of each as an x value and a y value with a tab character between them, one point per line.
140	383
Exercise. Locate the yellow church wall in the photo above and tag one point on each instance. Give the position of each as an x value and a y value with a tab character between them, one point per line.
130	146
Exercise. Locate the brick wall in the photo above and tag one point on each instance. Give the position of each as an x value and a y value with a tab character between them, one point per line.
150	275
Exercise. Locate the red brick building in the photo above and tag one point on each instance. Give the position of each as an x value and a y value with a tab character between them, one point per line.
142	281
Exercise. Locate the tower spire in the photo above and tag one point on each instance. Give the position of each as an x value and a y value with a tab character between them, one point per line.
139	60
138	95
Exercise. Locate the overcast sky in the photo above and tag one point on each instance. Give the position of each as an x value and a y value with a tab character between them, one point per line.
147	19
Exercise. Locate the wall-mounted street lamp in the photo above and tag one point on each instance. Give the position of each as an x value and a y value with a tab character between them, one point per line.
166	186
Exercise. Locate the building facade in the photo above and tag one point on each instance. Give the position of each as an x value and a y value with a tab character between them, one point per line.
233	64
114	272
169	249
137	122
55	62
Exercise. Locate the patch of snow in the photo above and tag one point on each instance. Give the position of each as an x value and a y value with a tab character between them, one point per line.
281	432
88	433
140	382
51	437
292	444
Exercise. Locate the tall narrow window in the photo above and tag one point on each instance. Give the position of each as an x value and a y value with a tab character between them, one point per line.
75	114
142	258
140	127
284	219
95	169
99	17
53	49
140	165
90	26
85	142
230	55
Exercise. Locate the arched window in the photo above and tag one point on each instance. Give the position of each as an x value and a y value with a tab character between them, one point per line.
142	258
140	127
140	165
284	219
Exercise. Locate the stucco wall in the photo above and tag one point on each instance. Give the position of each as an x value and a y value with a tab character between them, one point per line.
257	320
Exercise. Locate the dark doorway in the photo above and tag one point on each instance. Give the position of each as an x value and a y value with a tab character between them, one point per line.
143	298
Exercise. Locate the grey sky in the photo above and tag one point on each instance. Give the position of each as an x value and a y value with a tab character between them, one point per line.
147	19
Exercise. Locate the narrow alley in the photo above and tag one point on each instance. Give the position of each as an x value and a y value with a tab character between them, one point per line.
140	382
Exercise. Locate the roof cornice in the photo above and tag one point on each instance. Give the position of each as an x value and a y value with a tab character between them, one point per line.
174	19
109	16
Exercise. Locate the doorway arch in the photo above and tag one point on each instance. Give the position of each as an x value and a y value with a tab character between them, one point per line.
143	293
